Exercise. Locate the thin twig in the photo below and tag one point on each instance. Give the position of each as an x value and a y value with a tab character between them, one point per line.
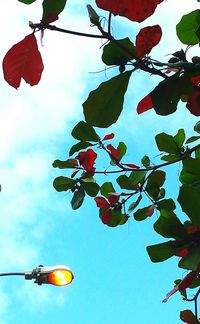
41	26
195	303
109	23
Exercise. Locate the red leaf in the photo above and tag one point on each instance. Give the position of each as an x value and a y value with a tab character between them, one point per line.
102	202
133	166
185	283
106	217
192	229
113	199
23	61
182	253
108	137
115	153
87	159
193	103
187	280
196	80
147	38
136	10
145	104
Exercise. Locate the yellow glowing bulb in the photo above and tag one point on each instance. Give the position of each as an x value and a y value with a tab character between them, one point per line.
60	277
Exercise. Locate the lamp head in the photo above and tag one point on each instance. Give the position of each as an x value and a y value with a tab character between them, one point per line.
59	275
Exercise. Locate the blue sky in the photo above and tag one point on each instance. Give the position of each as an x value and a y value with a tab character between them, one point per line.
115	282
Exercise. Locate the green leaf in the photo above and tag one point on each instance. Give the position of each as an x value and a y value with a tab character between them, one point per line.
135	204
145	161
161	193
166	143
68	164
104	105
94	17
168	225
191	261
190	173
52	8
124	219
187	28
156	178
114	55
189	199
170	157
84	132
182	292
165	97
125	182
166	204
116	217
122	149
106	188
197	127
160	252
141	214
27	1
195	283
91	188
155	181
179	138
197	153
63	183
79	146
78	198
192	139
137	176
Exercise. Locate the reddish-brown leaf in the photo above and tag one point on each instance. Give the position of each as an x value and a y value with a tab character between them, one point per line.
23	61
87	159
136	10
145	104
150	211
192	229
188	317
51	18
102	202
108	137
130	165
187	280
182	253
115	153
113	199
195	80
193	103
185	283
147	38
106	217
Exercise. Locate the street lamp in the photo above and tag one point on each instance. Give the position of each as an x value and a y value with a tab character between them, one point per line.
59	275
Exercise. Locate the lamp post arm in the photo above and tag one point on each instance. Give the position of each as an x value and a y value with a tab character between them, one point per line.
12	274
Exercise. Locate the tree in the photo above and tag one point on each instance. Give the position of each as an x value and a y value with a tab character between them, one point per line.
180	82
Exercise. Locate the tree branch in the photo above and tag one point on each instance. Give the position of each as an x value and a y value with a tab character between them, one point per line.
42	26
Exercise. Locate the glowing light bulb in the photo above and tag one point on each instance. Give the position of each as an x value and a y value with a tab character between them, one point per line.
60	277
